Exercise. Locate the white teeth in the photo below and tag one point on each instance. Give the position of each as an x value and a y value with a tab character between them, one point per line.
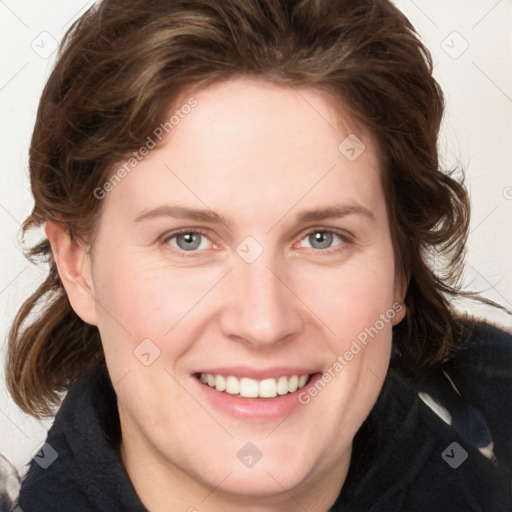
268	388
293	382
232	385
282	385
250	388
220	383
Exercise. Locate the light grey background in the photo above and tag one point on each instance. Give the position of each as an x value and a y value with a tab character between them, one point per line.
472	47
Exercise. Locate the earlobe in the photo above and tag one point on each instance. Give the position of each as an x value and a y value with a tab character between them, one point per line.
399	300
400	311
74	267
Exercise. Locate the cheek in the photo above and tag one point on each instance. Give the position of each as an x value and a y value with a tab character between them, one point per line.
356	306
352	297
141	298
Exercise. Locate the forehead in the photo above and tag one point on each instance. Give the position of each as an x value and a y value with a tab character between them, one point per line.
248	144
301	121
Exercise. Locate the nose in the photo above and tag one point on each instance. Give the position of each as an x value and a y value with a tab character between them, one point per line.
261	308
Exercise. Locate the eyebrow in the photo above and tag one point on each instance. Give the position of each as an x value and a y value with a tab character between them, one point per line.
206	215
181	212
333	212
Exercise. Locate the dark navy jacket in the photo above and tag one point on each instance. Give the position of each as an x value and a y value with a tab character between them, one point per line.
405	456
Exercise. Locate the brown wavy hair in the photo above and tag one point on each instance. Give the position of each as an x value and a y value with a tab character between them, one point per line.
124	62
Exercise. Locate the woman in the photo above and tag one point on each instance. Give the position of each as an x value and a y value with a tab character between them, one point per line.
239	198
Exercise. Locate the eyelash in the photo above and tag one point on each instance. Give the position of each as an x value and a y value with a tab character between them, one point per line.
343	235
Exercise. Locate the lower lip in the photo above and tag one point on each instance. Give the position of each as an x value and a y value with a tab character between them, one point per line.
255	408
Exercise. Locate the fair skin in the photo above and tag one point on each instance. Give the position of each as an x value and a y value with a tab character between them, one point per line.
259	155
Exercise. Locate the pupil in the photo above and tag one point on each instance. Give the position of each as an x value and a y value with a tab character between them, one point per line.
323	238
191	241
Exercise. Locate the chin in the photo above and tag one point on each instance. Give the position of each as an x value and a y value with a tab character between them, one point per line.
263	482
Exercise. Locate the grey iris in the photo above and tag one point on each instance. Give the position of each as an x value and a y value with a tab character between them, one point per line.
192	241
323	238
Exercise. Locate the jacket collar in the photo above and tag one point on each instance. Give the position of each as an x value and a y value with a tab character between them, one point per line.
401	457
88	474
397	457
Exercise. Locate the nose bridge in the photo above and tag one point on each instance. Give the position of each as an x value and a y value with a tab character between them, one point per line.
262	310
261	285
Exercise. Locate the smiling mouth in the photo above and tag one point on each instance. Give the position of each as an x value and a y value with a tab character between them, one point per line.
250	388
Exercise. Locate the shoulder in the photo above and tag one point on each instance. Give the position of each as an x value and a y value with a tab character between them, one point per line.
490	342
473	390
408	457
5	503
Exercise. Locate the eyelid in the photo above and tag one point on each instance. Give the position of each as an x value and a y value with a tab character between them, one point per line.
341	233
164	239
181	231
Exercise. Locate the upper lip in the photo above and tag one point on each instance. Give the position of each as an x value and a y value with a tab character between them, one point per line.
258	373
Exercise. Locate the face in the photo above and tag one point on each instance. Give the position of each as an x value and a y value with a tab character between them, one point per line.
251	250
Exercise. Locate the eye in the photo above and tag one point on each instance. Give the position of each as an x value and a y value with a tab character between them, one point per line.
322	239
188	240
195	240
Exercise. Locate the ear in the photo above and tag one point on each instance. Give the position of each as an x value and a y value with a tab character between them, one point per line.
399	299
74	267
